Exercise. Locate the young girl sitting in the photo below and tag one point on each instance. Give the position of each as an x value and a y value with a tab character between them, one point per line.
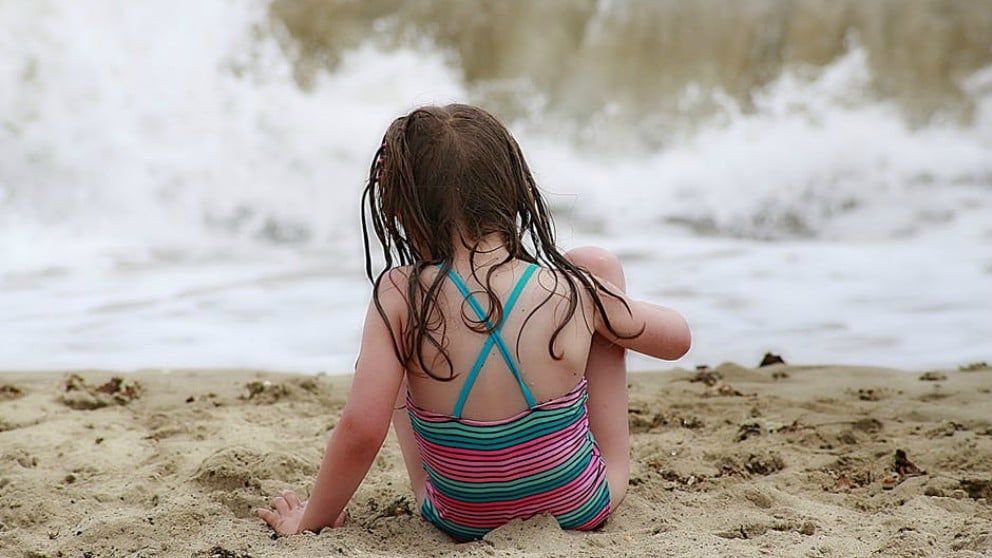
498	359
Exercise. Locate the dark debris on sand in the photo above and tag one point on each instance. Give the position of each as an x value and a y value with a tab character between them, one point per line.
723	390
641	419
218	551
713	380
267	392
761	464
706	376
748	430
401	506
8	391
868	394
901	469
770	359
903	466
77	394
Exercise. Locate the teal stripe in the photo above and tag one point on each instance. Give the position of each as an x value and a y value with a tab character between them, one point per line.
589	510
507	444
463	429
576	406
460	532
571	414
454	438
441	421
436	418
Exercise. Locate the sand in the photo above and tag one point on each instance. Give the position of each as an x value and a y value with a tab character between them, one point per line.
773	461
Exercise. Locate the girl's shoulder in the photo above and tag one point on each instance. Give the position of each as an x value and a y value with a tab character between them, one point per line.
563	281
390	294
569	293
394	286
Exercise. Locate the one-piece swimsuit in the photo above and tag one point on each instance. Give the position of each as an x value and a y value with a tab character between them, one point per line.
482	474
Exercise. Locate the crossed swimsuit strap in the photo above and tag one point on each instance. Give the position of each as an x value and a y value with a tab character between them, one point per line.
494	339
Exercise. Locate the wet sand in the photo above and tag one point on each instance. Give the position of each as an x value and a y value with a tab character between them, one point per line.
732	461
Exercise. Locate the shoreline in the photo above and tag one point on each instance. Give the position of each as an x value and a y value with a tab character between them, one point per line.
680	368
774	461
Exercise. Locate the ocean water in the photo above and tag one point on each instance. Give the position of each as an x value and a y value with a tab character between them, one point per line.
180	181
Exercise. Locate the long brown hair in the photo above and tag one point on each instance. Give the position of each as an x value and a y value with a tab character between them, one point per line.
454	174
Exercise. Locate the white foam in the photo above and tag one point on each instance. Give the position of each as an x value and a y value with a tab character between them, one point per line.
171	134
813	160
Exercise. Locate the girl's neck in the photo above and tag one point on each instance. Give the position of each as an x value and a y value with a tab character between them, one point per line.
490	251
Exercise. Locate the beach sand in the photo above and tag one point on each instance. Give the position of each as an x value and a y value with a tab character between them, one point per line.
732	461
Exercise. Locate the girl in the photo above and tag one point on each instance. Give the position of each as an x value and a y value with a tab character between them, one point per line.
498	359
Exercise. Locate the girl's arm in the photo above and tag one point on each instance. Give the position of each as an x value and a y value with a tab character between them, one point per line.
664	333
359	433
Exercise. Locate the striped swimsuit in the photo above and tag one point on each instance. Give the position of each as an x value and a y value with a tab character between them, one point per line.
483	474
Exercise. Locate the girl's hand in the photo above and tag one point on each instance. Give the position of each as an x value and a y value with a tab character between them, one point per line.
288	515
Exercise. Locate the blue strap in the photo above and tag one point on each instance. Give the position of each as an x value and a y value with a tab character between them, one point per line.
494	338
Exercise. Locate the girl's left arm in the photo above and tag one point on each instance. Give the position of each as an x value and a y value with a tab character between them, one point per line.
359	433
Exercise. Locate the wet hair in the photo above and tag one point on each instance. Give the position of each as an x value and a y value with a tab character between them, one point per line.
453	175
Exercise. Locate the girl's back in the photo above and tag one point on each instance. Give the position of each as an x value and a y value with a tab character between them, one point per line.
526	331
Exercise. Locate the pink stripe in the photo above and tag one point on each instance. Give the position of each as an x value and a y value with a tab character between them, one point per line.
577	429
506	471
597	520
525	467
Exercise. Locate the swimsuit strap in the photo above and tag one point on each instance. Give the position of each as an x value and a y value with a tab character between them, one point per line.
494	338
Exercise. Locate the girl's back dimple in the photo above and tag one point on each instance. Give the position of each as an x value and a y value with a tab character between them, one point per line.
526	330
